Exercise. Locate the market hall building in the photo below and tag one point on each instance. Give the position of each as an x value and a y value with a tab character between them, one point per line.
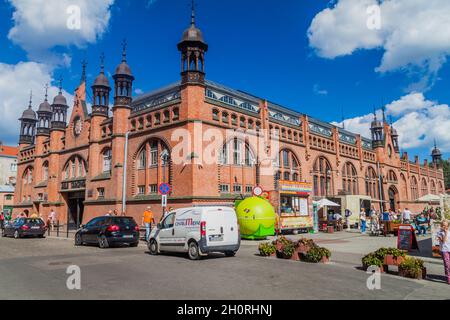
78	164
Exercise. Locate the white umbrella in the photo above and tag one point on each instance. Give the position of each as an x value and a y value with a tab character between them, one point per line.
326	203
429	198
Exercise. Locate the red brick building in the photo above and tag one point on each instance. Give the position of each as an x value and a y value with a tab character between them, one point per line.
85	163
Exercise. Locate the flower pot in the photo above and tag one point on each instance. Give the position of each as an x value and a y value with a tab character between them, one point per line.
330	229
390	260
282	255
325	260
302	248
411	274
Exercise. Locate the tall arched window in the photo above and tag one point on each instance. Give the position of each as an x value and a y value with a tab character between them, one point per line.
414	188
371	183
424	187
441	187
432	187
349	178
322	177
238	153
289	166
152	167
45	171
392	177
107	157
75	168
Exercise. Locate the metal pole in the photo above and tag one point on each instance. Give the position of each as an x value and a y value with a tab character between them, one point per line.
380	181
124	182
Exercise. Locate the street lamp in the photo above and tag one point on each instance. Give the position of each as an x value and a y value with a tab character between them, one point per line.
164	159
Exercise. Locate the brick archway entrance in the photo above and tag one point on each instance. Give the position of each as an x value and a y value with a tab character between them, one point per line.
393	198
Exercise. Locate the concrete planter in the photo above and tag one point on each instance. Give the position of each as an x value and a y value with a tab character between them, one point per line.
411	274
390	260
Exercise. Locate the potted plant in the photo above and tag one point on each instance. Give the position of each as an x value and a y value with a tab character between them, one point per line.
317	254
285	248
372	259
304	245
412	268
393	256
267	249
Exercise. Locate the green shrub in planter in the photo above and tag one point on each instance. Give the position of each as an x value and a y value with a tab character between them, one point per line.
285	248
372	259
316	254
411	268
266	249
383	252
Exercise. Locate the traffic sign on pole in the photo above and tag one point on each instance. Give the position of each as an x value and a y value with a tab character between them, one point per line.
164	201
164	188
258	191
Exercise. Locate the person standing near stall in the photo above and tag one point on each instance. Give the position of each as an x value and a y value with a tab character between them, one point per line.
362	220
444	245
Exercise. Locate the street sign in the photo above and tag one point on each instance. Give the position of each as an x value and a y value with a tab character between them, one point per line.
258	191
164	188
164	201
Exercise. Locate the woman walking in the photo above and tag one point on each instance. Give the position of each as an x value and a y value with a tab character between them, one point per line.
444	243
362	219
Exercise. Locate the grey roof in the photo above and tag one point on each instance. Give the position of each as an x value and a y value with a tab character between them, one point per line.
193	34
45	107
101	80
29	114
152	95
60	99
123	69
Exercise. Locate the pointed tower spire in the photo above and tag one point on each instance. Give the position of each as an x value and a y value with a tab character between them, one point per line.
31	99
383	109
60	84
46	92
193	13
124	50
83	75
343	118
102	63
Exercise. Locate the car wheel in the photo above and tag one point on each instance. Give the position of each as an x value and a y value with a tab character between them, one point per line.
3	233
78	240
194	251
103	242
230	253
16	234
153	247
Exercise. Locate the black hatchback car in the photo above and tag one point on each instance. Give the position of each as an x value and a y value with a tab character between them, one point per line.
108	231
25	227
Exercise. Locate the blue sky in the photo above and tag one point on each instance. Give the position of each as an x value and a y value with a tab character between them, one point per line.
259	46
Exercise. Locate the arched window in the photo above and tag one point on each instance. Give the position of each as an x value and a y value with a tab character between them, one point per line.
349	178
424	187
289	165
76	167
392	177
152	162
45	171
432	187
238	153
322	177
107	157
414	189
371	183
441	188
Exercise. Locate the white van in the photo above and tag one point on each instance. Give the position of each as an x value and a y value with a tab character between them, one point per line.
197	231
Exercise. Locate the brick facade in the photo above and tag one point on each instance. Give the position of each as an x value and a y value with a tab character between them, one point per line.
80	168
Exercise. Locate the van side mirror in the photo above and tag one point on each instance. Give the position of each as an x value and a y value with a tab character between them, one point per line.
158	226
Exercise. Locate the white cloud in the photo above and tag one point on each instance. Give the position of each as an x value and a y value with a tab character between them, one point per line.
16	81
414	34
418	121
40	25
319	91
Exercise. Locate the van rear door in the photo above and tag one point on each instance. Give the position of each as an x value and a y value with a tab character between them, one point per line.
221	227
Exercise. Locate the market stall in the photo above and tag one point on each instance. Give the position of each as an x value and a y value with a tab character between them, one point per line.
292	201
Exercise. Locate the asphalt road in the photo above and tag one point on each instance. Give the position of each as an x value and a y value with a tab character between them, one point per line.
36	269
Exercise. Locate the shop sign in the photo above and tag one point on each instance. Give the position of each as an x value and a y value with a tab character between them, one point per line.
296	222
293	187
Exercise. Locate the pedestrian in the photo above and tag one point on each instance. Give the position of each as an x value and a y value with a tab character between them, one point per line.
362	220
444	246
147	221
422	224
406	216
2	220
110	213
115	213
52	218
348	214
374	222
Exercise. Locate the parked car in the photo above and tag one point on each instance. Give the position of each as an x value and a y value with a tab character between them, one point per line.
197	231
108	231
25	227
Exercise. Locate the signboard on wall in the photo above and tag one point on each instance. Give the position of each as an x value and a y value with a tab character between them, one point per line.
294	187
296	222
